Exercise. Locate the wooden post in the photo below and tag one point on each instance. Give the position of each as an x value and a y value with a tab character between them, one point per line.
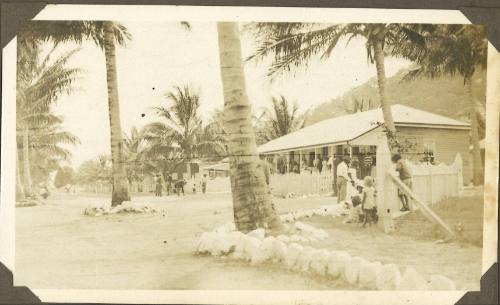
386	192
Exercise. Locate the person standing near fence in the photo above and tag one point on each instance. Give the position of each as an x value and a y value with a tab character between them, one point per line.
342	179
406	177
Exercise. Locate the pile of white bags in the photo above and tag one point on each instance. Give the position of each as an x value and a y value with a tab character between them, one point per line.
125	207
257	248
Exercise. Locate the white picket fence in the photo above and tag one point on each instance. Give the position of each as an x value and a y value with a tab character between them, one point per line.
432	183
304	183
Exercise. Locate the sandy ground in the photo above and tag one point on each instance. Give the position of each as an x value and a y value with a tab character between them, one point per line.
58	247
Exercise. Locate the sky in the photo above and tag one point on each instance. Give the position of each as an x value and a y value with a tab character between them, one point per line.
163	55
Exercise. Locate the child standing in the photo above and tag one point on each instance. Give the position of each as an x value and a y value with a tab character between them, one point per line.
368	203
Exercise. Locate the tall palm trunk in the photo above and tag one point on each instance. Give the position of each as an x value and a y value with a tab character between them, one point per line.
386	105
477	177
252	200
28	187
120	191
19	185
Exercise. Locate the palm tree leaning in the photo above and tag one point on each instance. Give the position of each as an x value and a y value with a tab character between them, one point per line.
104	34
252	202
294	44
452	50
283	120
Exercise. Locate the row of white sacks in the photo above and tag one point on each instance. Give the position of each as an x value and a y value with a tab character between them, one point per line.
255	248
334	210
98	209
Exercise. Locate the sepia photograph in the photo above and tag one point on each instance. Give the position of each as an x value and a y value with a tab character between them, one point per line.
249	155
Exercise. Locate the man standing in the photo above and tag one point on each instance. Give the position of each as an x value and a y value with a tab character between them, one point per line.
342	178
406	178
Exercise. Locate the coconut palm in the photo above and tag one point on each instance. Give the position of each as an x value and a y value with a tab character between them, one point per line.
283	120
95	172
457	50
182	123
105	34
294	44
40	82
134	149
252	201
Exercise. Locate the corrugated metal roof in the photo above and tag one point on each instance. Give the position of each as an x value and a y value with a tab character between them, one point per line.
348	127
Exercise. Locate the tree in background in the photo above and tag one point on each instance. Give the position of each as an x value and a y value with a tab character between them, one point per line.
294	44
252	201
41	80
95	173
457	50
65	175
181	135
104	34
281	119
136	165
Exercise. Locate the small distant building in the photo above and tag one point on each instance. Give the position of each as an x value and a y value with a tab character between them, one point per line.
427	137
220	169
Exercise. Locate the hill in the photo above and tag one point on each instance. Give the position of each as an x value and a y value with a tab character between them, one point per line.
445	96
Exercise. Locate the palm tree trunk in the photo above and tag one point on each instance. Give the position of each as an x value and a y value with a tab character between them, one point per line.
252	200
19	185
478	174
28	187
386	105
120	191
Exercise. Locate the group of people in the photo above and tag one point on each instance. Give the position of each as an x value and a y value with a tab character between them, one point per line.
359	196
176	186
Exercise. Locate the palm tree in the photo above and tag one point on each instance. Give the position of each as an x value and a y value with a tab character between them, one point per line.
452	50
252	201
183	126
134	150
40	82
95	172
104	34
294	44
283	120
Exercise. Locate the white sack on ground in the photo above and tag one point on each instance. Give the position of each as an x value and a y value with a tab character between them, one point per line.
239	248
305	258
388	277
412	280
368	274
265	251
252	245
337	262
439	282
319	263
351	271
279	250
293	253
